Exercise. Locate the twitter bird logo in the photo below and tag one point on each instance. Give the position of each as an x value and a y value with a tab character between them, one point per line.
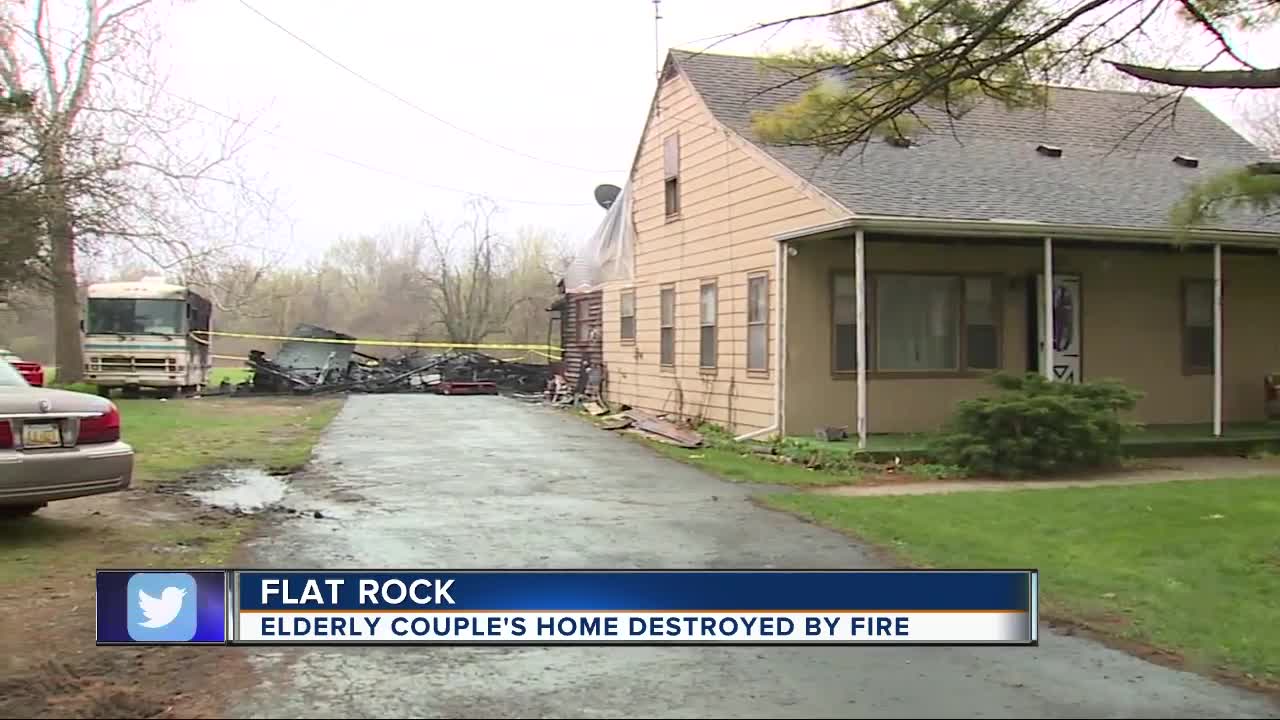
162	607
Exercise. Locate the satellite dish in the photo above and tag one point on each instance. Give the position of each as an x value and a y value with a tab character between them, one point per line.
606	194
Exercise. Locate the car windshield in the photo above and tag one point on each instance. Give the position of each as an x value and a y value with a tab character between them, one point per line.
9	376
127	315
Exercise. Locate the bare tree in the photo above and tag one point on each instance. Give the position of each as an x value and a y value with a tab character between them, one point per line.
104	143
467	284
1262	121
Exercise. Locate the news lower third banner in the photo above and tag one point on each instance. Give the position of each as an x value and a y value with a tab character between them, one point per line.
569	607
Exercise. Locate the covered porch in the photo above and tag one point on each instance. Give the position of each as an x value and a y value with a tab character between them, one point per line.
888	323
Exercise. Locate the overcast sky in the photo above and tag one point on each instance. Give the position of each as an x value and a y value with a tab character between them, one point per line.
566	81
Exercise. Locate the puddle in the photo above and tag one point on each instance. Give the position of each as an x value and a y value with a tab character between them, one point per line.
246	490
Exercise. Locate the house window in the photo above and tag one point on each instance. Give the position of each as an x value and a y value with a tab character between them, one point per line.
627	304
1197	326
671	174
758	322
916	323
981	330
582	312
707	325
667	324
919	323
845	313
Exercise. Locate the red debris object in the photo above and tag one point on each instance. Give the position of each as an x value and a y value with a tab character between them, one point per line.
459	387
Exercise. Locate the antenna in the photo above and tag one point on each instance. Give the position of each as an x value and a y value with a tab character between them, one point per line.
657	44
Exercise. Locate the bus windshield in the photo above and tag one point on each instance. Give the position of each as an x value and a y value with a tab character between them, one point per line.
132	316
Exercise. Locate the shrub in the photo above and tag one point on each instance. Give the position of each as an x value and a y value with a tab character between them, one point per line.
1037	427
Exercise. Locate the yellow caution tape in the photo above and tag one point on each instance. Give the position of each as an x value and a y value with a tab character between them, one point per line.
548	351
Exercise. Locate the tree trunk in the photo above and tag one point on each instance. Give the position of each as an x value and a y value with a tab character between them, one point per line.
68	351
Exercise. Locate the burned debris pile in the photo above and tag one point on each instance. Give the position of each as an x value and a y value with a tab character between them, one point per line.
309	365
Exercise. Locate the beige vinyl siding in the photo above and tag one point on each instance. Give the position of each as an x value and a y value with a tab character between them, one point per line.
733	201
1131	330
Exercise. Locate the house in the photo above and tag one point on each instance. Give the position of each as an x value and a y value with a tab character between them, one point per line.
751	265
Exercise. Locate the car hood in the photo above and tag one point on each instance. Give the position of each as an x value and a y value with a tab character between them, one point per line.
16	400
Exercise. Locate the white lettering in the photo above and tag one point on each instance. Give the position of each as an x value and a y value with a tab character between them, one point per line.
270	586
413	591
368	591
442	592
398	586
311	593
334	584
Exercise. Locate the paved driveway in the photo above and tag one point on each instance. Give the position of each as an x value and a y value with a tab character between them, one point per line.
424	481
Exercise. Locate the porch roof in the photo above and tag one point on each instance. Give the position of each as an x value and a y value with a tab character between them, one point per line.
997	229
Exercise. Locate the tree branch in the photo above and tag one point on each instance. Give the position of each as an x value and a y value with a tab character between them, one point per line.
1239	79
1204	21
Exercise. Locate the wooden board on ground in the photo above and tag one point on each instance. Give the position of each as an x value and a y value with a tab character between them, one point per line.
664	430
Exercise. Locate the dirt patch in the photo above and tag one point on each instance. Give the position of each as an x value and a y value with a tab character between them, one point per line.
52	668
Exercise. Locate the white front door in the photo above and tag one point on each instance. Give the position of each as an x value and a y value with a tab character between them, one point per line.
1067	316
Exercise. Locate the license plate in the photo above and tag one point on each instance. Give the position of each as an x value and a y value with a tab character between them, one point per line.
41	435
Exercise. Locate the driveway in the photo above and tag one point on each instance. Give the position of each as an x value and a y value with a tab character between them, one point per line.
425	481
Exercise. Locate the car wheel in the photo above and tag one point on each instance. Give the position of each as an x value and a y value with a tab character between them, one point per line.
18	511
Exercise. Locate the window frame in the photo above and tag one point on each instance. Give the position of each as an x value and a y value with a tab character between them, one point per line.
624	338
582	321
763	322
871	318
671	176
714	325
1184	337
665	325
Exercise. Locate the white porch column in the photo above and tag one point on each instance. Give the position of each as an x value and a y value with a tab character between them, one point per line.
1047	331
1217	340
860	290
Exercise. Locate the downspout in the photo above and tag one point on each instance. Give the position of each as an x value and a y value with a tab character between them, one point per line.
780	335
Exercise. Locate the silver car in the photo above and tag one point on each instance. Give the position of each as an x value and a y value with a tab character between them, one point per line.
56	444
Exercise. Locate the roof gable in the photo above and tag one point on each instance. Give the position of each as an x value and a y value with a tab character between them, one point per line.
1116	168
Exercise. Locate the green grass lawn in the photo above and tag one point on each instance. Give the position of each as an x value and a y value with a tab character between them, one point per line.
176	436
1191	567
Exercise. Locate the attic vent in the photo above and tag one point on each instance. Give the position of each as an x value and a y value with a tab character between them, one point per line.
1049	150
1186	161
898	141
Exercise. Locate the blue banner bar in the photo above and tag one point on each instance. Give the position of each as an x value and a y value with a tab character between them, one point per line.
621	590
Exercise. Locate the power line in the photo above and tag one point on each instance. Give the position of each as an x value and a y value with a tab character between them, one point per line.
357	163
412	104
374	168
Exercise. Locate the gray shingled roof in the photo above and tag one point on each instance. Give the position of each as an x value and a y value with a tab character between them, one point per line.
988	167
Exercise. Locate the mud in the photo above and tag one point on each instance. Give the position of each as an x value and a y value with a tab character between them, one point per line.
496	483
243	489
